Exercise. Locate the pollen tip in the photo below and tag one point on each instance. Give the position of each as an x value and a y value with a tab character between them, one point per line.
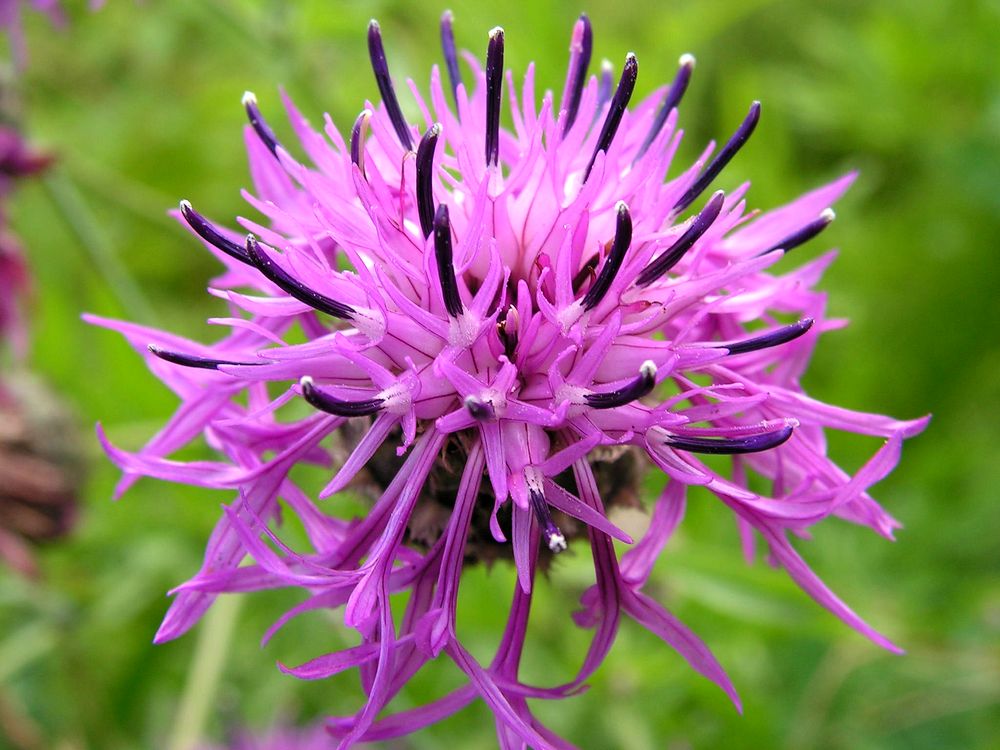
153	348
447	16
648	369
496	31
607	66
249	98
621	207
441	217
828	215
714	206
557	542
373	25
306	381
687	60
185	206
435	130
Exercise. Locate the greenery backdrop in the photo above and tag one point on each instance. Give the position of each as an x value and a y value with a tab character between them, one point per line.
140	102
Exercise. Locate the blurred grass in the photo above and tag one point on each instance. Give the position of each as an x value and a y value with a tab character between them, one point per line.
141	103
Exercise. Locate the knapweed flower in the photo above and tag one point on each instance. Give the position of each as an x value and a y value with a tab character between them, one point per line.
504	327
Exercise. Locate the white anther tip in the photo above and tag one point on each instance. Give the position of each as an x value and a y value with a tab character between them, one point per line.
557	543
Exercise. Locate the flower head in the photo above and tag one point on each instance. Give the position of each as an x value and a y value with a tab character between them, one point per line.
503	327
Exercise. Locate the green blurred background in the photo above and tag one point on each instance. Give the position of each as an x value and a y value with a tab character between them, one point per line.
141	103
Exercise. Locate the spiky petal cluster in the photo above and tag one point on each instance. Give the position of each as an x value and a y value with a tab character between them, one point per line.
500	305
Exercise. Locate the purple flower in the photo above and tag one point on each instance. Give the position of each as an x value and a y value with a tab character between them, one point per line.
501	329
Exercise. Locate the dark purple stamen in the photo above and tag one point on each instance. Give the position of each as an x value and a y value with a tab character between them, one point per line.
580	49
479	409
425	179
626	85
623	238
192	360
641	386
805	234
554	538
377	53
292	286
445	266
325	402
494	88
778	336
671	257
672	99
450	54
731	446
358	135
735	143
204	229
262	129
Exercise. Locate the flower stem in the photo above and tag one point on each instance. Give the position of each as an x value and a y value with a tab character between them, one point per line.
207	664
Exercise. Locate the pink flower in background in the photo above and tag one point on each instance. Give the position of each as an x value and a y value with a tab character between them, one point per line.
39	462
14	285
17	160
496	332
